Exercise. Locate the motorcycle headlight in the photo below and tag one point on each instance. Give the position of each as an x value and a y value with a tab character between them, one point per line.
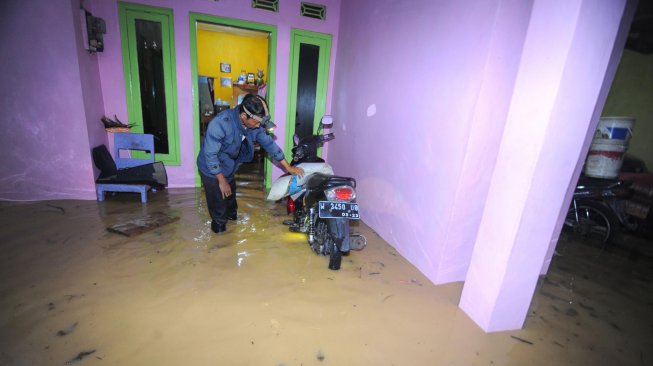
297	153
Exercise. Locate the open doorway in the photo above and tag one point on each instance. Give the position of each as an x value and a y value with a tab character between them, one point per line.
229	59
231	62
310	53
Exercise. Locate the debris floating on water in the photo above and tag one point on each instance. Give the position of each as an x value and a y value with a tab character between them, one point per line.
65	332
521	339
320	356
63	210
80	356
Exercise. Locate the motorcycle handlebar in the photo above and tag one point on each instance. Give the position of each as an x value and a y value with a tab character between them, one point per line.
317	139
327	137
307	145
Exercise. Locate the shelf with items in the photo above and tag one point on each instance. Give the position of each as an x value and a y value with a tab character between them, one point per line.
243	89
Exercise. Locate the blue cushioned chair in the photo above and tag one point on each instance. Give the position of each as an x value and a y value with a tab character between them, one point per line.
127	174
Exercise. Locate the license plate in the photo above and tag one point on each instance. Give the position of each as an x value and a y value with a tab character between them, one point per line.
338	210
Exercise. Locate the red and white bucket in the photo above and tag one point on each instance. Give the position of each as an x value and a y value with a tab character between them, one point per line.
605	158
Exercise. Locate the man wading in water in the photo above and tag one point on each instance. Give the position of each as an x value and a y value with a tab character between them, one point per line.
228	143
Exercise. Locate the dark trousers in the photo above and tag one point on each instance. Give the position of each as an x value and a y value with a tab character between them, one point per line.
219	208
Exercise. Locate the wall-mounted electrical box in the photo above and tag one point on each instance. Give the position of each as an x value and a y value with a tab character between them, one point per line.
93	29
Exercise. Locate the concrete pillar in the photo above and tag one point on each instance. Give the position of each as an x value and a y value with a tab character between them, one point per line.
567	51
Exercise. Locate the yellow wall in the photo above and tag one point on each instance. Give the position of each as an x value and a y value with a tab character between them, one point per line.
631	95
243	53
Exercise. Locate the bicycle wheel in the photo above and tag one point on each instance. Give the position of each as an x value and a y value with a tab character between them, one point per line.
594	221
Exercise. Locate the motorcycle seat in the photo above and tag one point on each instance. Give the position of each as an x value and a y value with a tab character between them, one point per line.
320	181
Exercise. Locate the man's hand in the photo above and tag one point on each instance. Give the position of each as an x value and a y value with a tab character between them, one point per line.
294	170
225	188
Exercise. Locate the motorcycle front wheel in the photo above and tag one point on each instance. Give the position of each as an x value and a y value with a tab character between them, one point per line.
593	221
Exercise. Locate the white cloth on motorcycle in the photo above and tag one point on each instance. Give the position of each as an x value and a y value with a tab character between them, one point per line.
280	187
312	168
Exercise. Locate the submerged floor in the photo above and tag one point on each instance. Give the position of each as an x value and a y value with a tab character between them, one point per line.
73	293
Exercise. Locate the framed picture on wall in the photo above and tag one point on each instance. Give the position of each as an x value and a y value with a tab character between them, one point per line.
225	82
225	67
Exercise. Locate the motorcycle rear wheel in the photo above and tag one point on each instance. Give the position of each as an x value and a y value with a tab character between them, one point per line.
329	237
596	223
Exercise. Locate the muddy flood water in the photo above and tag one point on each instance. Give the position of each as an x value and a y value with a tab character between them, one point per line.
73	293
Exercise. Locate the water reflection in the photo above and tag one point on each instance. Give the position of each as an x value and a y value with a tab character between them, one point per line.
241	258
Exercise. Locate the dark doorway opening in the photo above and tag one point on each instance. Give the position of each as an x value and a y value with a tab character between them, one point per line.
309	56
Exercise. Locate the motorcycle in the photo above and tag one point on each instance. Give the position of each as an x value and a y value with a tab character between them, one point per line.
321	203
602	208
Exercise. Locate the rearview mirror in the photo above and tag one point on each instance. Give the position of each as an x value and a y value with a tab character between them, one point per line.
327	121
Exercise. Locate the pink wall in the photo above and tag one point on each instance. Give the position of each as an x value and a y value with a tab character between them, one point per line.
111	68
44	136
464	164
511	19
424	158
91	87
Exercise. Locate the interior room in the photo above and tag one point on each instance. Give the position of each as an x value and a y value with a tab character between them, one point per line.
466	125
226	56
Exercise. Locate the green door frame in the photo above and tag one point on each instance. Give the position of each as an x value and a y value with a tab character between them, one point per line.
323	41
128	13
272	64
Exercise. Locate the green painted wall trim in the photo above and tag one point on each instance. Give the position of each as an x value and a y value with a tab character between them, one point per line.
128	13
194	18
323	41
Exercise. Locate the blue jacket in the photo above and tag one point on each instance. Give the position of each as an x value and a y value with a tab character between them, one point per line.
227	144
